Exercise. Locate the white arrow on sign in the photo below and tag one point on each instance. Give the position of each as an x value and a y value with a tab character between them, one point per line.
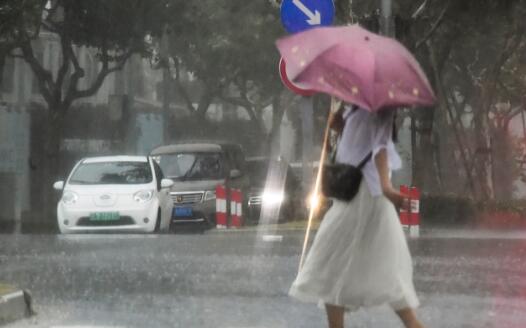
314	18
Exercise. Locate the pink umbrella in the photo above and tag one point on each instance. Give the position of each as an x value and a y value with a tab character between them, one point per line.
356	66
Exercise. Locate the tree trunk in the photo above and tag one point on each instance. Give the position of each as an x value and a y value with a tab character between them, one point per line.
504	170
257	120
51	165
274	136
204	104
454	119
424	174
414	153
2	63
481	156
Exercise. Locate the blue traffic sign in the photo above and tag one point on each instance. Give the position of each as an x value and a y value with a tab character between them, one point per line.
300	15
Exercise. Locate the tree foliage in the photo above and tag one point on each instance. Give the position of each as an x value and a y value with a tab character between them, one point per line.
112	30
473	52
115	30
229	48
15	16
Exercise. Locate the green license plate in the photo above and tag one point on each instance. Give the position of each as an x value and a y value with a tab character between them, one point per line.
104	216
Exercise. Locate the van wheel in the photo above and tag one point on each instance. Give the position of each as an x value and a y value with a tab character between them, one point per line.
157	228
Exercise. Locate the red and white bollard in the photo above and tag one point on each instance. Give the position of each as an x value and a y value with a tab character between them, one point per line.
404	214
236	208
221	215
410	220
414	215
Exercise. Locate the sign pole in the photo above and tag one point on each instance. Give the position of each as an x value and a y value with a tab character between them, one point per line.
307	127
317	183
297	16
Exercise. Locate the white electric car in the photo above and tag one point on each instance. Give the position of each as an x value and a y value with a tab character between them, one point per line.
115	193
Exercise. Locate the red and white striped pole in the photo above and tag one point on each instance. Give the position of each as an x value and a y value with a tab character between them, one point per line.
221	217
236	208
414	215
404	214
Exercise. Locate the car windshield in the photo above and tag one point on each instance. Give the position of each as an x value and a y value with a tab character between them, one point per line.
192	166
112	173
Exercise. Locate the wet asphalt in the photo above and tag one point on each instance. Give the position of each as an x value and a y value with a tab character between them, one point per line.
240	279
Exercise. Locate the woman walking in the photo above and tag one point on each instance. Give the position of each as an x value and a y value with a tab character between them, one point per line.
360	256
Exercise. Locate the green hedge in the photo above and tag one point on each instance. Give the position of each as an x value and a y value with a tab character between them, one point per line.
453	210
446	210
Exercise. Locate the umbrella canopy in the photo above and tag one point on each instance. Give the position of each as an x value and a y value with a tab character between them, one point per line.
357	66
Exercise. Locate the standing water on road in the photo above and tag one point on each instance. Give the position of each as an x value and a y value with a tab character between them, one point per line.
88	81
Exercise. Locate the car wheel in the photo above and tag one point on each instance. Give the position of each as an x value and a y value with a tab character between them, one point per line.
157	228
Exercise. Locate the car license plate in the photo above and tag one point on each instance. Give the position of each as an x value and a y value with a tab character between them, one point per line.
104	216
182	211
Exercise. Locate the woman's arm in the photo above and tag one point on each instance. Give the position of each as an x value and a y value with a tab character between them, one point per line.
397	198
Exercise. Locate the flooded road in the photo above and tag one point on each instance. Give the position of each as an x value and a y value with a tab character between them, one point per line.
236	279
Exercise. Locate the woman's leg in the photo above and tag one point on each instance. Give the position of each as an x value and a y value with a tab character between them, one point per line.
334	315
409	319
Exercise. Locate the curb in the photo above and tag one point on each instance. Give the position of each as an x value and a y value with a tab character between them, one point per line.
15	304
255	229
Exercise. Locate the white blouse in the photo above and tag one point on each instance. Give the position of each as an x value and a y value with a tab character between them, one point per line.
365	132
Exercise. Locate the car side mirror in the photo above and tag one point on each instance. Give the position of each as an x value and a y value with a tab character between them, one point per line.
166	183
59	185
235	173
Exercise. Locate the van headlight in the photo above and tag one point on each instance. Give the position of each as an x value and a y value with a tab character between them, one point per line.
143	196
272	197
69	197
210	194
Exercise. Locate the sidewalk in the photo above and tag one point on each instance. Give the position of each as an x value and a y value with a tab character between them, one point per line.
15	304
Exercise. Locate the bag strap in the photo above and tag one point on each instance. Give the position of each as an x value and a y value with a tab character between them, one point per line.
332	155
365	160
360	166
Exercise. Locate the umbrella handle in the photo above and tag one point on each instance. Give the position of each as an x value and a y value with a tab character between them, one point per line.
335	105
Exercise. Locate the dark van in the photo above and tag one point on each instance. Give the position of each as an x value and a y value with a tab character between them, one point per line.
196	169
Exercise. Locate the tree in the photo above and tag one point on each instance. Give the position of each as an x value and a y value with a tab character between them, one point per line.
229	48
473	52
115	30
11	12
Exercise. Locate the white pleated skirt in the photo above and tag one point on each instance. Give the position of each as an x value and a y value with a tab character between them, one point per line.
359	257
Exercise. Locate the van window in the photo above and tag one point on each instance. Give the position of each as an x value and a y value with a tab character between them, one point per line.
235	158
192	166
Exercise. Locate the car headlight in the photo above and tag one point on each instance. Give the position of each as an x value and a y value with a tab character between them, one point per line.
143	196
210	194
272	197
69	197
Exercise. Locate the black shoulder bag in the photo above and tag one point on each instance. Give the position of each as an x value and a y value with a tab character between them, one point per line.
342	181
